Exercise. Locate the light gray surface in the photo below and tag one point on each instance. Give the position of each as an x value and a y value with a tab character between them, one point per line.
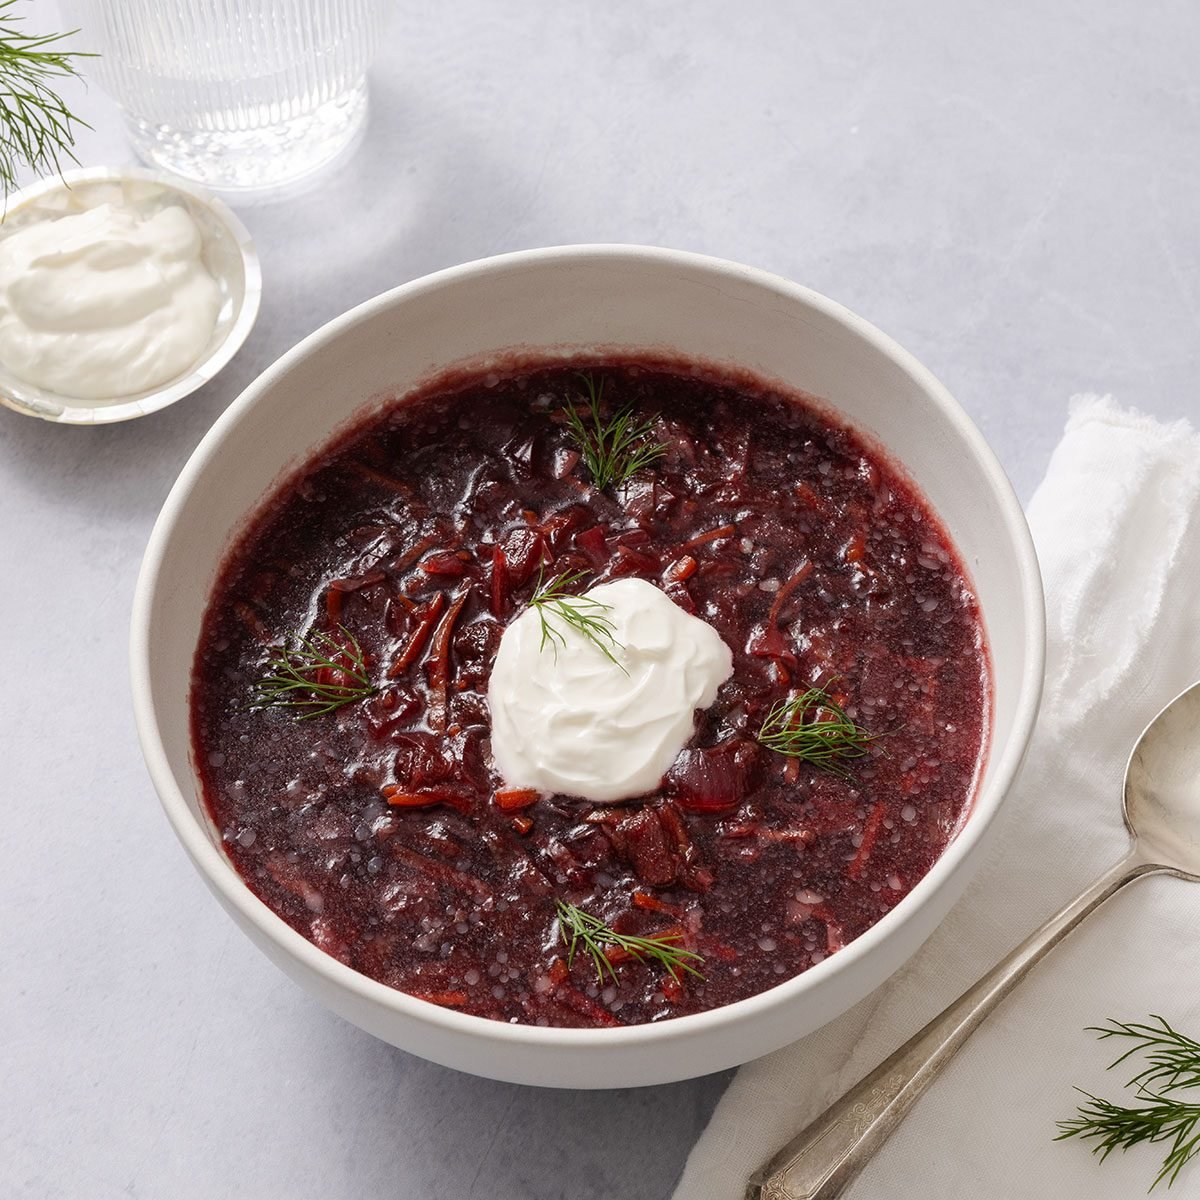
1009	190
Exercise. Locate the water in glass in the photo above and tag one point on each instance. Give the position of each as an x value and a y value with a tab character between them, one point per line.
234	93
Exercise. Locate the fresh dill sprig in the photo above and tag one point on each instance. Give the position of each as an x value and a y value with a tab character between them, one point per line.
813	728
37	129
1172	1058
587	616
314	676
580	929
1117	1127
615	449
1172	1065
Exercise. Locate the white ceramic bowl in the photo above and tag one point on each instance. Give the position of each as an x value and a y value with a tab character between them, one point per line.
584	297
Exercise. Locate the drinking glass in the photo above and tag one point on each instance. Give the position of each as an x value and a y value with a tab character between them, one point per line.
234	93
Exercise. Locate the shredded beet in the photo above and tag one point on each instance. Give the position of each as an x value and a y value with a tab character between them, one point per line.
395	795
381	830
424	620
439	667
512	799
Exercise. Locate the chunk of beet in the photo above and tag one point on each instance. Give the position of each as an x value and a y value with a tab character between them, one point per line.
559	528
680	595
594	544
710	780
523	550
420	760
445	563
641	839
631	561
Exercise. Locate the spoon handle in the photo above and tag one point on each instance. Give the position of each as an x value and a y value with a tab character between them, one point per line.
825	1158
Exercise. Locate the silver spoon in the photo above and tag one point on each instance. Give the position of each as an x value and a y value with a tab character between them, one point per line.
1162	814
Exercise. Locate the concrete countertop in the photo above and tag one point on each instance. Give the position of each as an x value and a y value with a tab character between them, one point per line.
1009	190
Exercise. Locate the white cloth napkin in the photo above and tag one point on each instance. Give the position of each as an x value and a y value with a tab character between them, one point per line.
1117	527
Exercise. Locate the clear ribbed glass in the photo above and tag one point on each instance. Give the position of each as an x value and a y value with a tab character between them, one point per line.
234	93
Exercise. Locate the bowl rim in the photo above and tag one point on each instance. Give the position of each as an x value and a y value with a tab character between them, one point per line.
222	876
33	401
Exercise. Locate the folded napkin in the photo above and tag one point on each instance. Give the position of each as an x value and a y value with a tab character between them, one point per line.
1117	527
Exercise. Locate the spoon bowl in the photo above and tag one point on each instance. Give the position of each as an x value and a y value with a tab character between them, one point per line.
1162	787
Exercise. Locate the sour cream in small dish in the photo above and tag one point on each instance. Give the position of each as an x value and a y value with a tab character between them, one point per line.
111	301
121	292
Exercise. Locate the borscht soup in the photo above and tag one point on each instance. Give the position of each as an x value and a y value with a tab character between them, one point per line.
590	693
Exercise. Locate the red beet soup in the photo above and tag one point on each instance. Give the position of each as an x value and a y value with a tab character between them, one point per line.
340	717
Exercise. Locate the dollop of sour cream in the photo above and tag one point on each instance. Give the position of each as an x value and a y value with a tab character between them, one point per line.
575	722
107	302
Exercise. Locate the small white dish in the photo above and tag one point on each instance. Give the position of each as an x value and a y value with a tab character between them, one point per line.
228	253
